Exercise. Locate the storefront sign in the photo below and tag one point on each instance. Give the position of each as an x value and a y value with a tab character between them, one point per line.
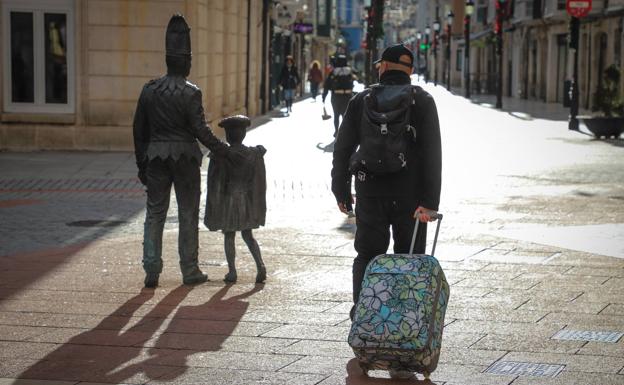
578	8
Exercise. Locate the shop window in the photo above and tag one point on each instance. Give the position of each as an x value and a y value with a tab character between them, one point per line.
459	59
38	56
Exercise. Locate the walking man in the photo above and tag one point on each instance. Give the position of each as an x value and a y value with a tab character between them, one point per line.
396	161
169	120
340	83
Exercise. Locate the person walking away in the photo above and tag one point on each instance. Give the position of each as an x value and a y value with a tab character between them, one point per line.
340	83
168	121
236	195
402	183
315	77
289	81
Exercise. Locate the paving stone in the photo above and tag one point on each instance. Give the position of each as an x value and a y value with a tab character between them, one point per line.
203	342
573	362
504	328
575	378
469	356
493	313
461	340
613	309
325	333
13	367
526	342
596	271
20	333
603	349
467	375
230	360
305	318
518	283
28	350
563	306
319	348
521	268
13	381
608	296
584	321
192	376
317	364
615	283
92	337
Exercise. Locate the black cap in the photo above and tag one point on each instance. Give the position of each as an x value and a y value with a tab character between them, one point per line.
393	54
240	122
178	37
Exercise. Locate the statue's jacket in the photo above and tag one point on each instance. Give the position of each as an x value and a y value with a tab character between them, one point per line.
236	191
169	120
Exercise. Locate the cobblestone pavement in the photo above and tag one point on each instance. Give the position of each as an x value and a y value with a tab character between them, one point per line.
531	244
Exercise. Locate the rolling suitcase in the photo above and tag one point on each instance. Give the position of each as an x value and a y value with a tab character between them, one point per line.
399	315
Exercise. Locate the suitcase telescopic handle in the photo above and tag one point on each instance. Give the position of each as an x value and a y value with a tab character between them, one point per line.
439	217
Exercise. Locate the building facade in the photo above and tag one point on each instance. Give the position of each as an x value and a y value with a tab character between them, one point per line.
537	60
72	70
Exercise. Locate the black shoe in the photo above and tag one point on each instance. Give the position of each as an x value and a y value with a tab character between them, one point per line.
261	276
195	278
230	277
151	280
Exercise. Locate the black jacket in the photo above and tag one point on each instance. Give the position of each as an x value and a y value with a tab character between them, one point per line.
422	177
168	121
289	77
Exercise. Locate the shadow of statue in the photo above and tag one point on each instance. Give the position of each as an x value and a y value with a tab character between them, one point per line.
206	327
355	376
97	354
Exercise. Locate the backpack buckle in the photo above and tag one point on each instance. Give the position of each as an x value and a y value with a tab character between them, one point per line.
384	128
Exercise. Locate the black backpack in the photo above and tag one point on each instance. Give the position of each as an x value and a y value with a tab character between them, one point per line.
384	136
342	78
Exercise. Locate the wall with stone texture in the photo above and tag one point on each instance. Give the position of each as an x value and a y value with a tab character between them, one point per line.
120	46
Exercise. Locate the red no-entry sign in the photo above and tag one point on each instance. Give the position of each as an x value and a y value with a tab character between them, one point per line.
578	8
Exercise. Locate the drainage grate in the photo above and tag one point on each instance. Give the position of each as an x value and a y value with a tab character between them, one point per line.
588	335
96	223
531	369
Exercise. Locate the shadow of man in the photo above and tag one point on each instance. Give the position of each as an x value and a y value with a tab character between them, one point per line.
195	329
95	355
355	376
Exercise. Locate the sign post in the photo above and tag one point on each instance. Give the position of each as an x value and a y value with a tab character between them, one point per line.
576	9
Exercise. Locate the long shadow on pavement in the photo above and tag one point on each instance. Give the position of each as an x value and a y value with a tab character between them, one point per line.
112	353
95	355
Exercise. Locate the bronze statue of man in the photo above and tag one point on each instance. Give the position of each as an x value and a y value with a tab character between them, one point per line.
169	120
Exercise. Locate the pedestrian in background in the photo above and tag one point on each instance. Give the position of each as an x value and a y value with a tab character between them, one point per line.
397	163
168	121
236	195
340	83
315	77
289	81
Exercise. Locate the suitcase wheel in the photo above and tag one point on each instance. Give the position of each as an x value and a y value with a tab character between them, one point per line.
364	368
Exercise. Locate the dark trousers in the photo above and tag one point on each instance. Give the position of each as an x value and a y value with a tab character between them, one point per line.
374	217
184	175
339	104
314	86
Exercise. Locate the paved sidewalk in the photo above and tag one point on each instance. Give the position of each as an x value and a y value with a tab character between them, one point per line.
522	312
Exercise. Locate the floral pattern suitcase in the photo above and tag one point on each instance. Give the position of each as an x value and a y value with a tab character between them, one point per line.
399	316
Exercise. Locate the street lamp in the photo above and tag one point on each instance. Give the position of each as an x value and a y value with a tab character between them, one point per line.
427	33
498	30
418	37
469	9
449	23
436	34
